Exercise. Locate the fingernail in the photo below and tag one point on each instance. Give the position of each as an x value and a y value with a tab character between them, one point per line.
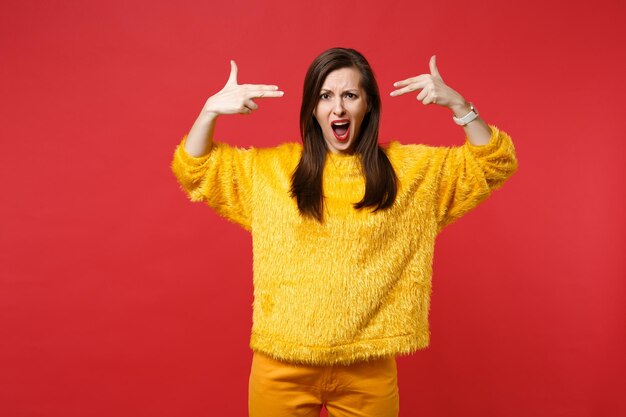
395	84
275	87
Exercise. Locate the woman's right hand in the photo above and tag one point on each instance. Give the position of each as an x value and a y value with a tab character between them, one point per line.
238	98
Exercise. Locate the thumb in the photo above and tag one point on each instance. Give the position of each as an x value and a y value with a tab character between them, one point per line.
433	66
232	78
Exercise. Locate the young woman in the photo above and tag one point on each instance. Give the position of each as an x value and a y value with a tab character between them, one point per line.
343	230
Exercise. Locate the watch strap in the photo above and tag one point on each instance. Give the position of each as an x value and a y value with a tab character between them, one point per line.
462	121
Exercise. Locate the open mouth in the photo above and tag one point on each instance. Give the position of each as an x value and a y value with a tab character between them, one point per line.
341	128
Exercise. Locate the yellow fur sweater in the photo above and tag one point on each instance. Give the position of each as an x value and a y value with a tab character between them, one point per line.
357	286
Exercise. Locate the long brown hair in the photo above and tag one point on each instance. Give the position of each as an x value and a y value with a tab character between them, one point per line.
306	180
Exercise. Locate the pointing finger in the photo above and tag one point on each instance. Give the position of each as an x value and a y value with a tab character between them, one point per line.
232	78
265	93
410	80
433	66
264	87
409	88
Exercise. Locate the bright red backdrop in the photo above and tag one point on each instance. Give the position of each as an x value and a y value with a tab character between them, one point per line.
118	297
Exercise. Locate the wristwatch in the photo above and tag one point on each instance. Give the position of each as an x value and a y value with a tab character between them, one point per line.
462	121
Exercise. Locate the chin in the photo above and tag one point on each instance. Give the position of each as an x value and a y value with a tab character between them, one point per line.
340	146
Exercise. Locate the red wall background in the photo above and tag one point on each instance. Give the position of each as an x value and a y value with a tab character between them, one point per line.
118	297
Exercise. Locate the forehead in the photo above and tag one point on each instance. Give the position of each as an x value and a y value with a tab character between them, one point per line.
343	78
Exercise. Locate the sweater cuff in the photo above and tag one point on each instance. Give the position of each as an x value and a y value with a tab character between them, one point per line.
188	159
495	142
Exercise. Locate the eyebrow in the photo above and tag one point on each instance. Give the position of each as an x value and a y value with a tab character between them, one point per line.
350	90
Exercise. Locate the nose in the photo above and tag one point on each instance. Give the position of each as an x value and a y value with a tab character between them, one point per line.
338	108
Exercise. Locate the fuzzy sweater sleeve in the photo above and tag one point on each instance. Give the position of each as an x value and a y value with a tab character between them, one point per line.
469	173
222	179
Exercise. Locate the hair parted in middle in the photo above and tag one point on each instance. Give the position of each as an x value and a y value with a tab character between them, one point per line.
306	181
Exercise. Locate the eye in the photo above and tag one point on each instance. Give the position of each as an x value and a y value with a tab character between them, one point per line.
324	96
350	95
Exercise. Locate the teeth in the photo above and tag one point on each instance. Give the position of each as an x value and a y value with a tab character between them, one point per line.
341	124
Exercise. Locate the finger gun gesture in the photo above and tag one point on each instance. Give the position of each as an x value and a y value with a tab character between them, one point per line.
239	98
434	89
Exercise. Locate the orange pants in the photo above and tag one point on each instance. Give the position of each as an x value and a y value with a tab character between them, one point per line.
281	389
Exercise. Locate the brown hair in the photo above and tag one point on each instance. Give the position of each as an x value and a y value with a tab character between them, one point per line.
306	180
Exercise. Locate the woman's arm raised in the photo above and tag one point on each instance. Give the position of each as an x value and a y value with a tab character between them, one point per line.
466	174
435	91
215	172
234	98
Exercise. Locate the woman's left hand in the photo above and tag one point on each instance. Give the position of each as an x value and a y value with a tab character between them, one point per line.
434	89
